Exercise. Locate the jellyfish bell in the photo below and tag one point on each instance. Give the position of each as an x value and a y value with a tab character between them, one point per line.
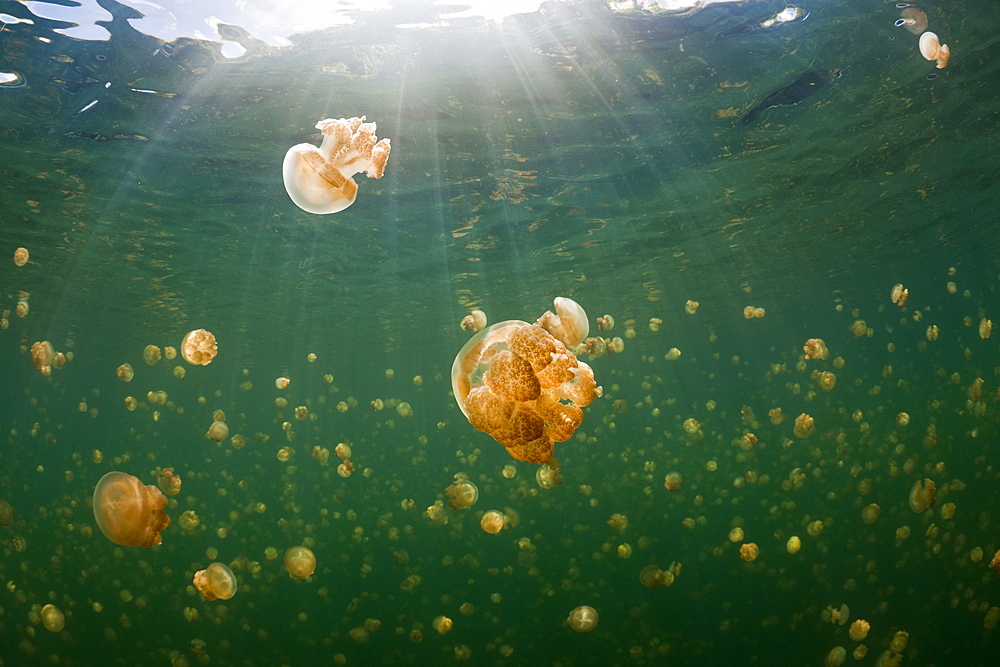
215	582
923	495
569	324
474	321
21	256
53	618
129	512
300	562
319	180
6	513
913	19
462	491
168	482
42	355
199	347
583	619
218	431
931	48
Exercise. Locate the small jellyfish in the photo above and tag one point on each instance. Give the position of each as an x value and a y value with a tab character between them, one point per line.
836	615
6	513
442	625
606	323
995	563
53	618
343	451
691	307
21	256
826	380
899	295
300	562
282	383
474	321
914	20
218	431
43	355
151	354
749	552
492	522
125	372
168	482
548	477
199	347
870	514
836	657
673	354
569	324
899	642
216	582
804	425
583	619
651	576
923	495
129	512
462	491
319	180
859	630
815	348
672	481
985	328
793	544
931	48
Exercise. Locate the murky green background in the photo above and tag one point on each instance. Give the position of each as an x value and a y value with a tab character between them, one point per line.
571	152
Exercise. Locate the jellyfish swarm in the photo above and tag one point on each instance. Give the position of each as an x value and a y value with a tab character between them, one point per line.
129	512
215	582
519	384
319	179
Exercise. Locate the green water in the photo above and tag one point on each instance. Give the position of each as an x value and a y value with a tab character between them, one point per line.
570	152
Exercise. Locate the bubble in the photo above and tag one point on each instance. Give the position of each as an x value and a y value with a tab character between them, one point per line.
583	619
128	512
216	582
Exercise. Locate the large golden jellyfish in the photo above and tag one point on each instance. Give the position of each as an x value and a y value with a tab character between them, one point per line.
300	562
319	179
129	512
583	619
199	347
215	582
520	384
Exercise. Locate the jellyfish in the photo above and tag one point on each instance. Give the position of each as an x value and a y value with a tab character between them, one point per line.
20	256
218	431
651	576
931	48
300	562
319	180
583	619
815	348
793	544
43	355
691	307
199	347
913	19
474	321
672	482
899	294
836	657
6	513
215	582
804	425
995	563
606	323
522	386
569	324
836	615
859	629
53	618
129	512
492	522
442	624
923	495
168	482
152	354
125	372
749	552
462	491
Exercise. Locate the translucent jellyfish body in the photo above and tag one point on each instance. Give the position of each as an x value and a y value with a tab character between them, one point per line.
319	180
215	582
522	386
129	512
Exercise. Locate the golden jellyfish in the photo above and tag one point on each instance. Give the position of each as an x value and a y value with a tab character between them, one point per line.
748	313
189	521
932	332
923	495
42	355
151	354
583	619
815	348
804	425
836	615
793	544
6	513
53	618
474	321
672	482
492	522
775	416
125	372
462	491
345	469
168	482
995	563
319	180
836	657
548	477
343	451
569	324
199	347
985	328
129	512
673	354
606	323
442	625
749	552
651	576
870	514
215	582
218	431
736	534
300	562
931	48
282	383
914	20
826	380
899	642
522	386
170	352
20	256
691	307
899	295
859	630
